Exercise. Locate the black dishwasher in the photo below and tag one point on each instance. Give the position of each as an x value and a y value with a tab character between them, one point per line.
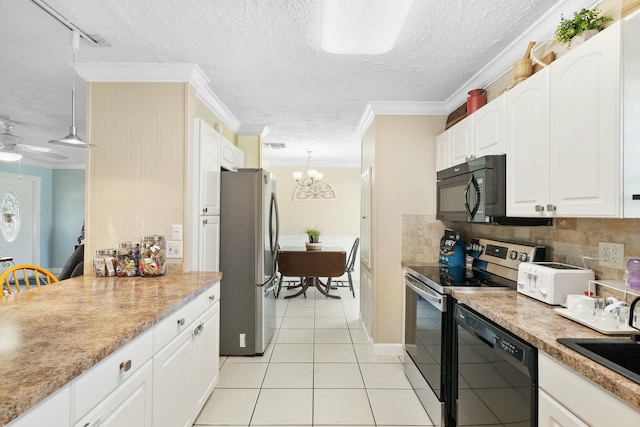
496	374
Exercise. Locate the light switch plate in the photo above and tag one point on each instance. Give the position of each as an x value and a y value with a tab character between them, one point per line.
176	232
174	249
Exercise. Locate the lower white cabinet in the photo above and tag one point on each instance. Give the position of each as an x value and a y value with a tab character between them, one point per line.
209	243
129	405
206	357
567	399
552	413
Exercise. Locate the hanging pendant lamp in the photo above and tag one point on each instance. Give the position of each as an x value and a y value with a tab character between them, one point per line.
73	140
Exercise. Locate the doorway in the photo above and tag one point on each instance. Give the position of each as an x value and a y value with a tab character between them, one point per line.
20	221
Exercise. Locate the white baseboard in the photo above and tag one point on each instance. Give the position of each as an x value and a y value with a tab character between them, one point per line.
387	349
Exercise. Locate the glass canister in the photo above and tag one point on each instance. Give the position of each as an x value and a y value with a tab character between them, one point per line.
633	273
104	263
128	259
152	255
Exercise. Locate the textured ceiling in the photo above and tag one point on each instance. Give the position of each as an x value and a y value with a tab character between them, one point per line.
263	60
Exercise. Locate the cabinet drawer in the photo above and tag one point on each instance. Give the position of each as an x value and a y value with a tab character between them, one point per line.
181	319
93	386
129	405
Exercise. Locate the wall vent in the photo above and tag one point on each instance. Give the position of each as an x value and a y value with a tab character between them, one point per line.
276	145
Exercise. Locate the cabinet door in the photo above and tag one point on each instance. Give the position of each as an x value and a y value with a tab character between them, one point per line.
365	216
552	414
129	405
227	150
442	151
489	128
528	146
460	148
585	128
209	244
209	170
172	374
238	159
206	356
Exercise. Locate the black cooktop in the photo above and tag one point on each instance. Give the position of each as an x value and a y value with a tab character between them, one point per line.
440	277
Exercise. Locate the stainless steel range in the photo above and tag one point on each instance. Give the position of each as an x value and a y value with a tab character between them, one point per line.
430	328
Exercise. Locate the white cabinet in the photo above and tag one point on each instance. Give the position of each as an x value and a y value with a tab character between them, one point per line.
460	142
208	141
631	100
206	357
365	216
528	146
231	157
129	405
585	128
552	414
185	370
567	399
563	136
480	134
52	412
209	243
96	384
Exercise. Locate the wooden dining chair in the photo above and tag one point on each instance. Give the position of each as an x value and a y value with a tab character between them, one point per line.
351	262
24	276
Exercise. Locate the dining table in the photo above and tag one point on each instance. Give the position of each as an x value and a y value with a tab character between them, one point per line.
311	265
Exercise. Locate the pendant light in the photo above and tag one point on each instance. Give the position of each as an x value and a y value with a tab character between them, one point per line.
73	140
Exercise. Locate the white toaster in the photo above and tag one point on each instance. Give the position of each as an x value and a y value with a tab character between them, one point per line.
550	282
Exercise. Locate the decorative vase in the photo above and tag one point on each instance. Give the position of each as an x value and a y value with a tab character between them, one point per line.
583	37
313	246
477	98
522	69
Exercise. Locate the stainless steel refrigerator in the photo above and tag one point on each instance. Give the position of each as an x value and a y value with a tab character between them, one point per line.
248	251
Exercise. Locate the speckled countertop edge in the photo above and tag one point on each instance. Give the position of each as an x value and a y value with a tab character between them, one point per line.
538	324
84	320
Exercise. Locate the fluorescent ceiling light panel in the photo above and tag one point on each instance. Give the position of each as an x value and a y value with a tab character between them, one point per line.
365	27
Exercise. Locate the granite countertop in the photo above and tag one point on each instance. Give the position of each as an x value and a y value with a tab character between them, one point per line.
51	335
537	323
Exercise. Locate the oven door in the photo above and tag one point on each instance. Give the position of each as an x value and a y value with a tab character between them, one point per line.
426	344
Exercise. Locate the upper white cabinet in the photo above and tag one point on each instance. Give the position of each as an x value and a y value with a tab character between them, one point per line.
231	157
631	128
208	142
563	135
528	146
585	128
480	134
488	129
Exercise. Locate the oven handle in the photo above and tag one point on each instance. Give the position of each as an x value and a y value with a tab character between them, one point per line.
431	296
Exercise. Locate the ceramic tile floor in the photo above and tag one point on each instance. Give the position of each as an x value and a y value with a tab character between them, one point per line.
318	371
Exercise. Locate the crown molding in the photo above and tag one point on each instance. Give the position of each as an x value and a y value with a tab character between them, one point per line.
398	108
147	72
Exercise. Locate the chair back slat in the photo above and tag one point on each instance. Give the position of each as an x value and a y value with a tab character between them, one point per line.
40	274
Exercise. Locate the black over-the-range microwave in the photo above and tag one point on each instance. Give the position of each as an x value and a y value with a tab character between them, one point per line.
476	192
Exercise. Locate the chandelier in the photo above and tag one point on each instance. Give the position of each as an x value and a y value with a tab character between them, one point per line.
312	187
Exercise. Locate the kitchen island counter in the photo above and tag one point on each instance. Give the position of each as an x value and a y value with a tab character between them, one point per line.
538	323
53	334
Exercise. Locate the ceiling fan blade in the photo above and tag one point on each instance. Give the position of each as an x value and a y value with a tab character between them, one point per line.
38	153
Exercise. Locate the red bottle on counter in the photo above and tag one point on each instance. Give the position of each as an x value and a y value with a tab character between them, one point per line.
477	98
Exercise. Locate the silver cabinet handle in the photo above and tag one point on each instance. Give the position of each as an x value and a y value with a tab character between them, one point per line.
212	297
204	210
181	322
539	208
204	221
125	366
551	208
197	329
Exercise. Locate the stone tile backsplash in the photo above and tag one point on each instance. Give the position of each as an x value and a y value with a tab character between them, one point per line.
567	240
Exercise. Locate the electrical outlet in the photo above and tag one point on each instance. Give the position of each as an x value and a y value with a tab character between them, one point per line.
611	255
174	249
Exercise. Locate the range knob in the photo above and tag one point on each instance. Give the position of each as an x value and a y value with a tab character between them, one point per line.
513	254
523	257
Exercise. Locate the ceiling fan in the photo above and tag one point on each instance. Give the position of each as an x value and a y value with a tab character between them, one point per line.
11	149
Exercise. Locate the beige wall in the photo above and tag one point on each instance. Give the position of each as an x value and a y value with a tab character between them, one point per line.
339	217
251	147
401	151
135	177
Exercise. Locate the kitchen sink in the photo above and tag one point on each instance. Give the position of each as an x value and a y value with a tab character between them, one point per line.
619	355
